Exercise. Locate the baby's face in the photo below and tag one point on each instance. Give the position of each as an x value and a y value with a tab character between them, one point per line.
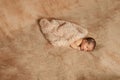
85	46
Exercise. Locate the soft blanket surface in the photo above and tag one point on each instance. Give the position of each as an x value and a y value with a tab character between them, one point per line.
23	55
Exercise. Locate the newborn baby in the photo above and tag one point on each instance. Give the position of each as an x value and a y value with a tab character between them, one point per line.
66	34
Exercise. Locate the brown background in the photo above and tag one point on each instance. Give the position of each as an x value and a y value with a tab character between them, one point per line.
24	56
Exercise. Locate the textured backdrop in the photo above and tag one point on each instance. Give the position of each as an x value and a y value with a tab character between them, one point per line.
23	52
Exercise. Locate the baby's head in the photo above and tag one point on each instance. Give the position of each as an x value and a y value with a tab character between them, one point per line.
88	44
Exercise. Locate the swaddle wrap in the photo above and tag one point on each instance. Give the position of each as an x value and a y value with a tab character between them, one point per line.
61	33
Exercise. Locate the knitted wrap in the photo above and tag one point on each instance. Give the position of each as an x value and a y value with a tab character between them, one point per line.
61	33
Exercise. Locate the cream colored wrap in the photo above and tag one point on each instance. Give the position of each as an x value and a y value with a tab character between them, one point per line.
61	33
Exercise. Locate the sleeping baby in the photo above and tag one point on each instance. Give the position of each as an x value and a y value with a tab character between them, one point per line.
62	33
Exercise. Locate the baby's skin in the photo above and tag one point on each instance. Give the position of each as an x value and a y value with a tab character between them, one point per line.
82	45
75	45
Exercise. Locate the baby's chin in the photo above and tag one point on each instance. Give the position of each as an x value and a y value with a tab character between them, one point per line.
81	49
